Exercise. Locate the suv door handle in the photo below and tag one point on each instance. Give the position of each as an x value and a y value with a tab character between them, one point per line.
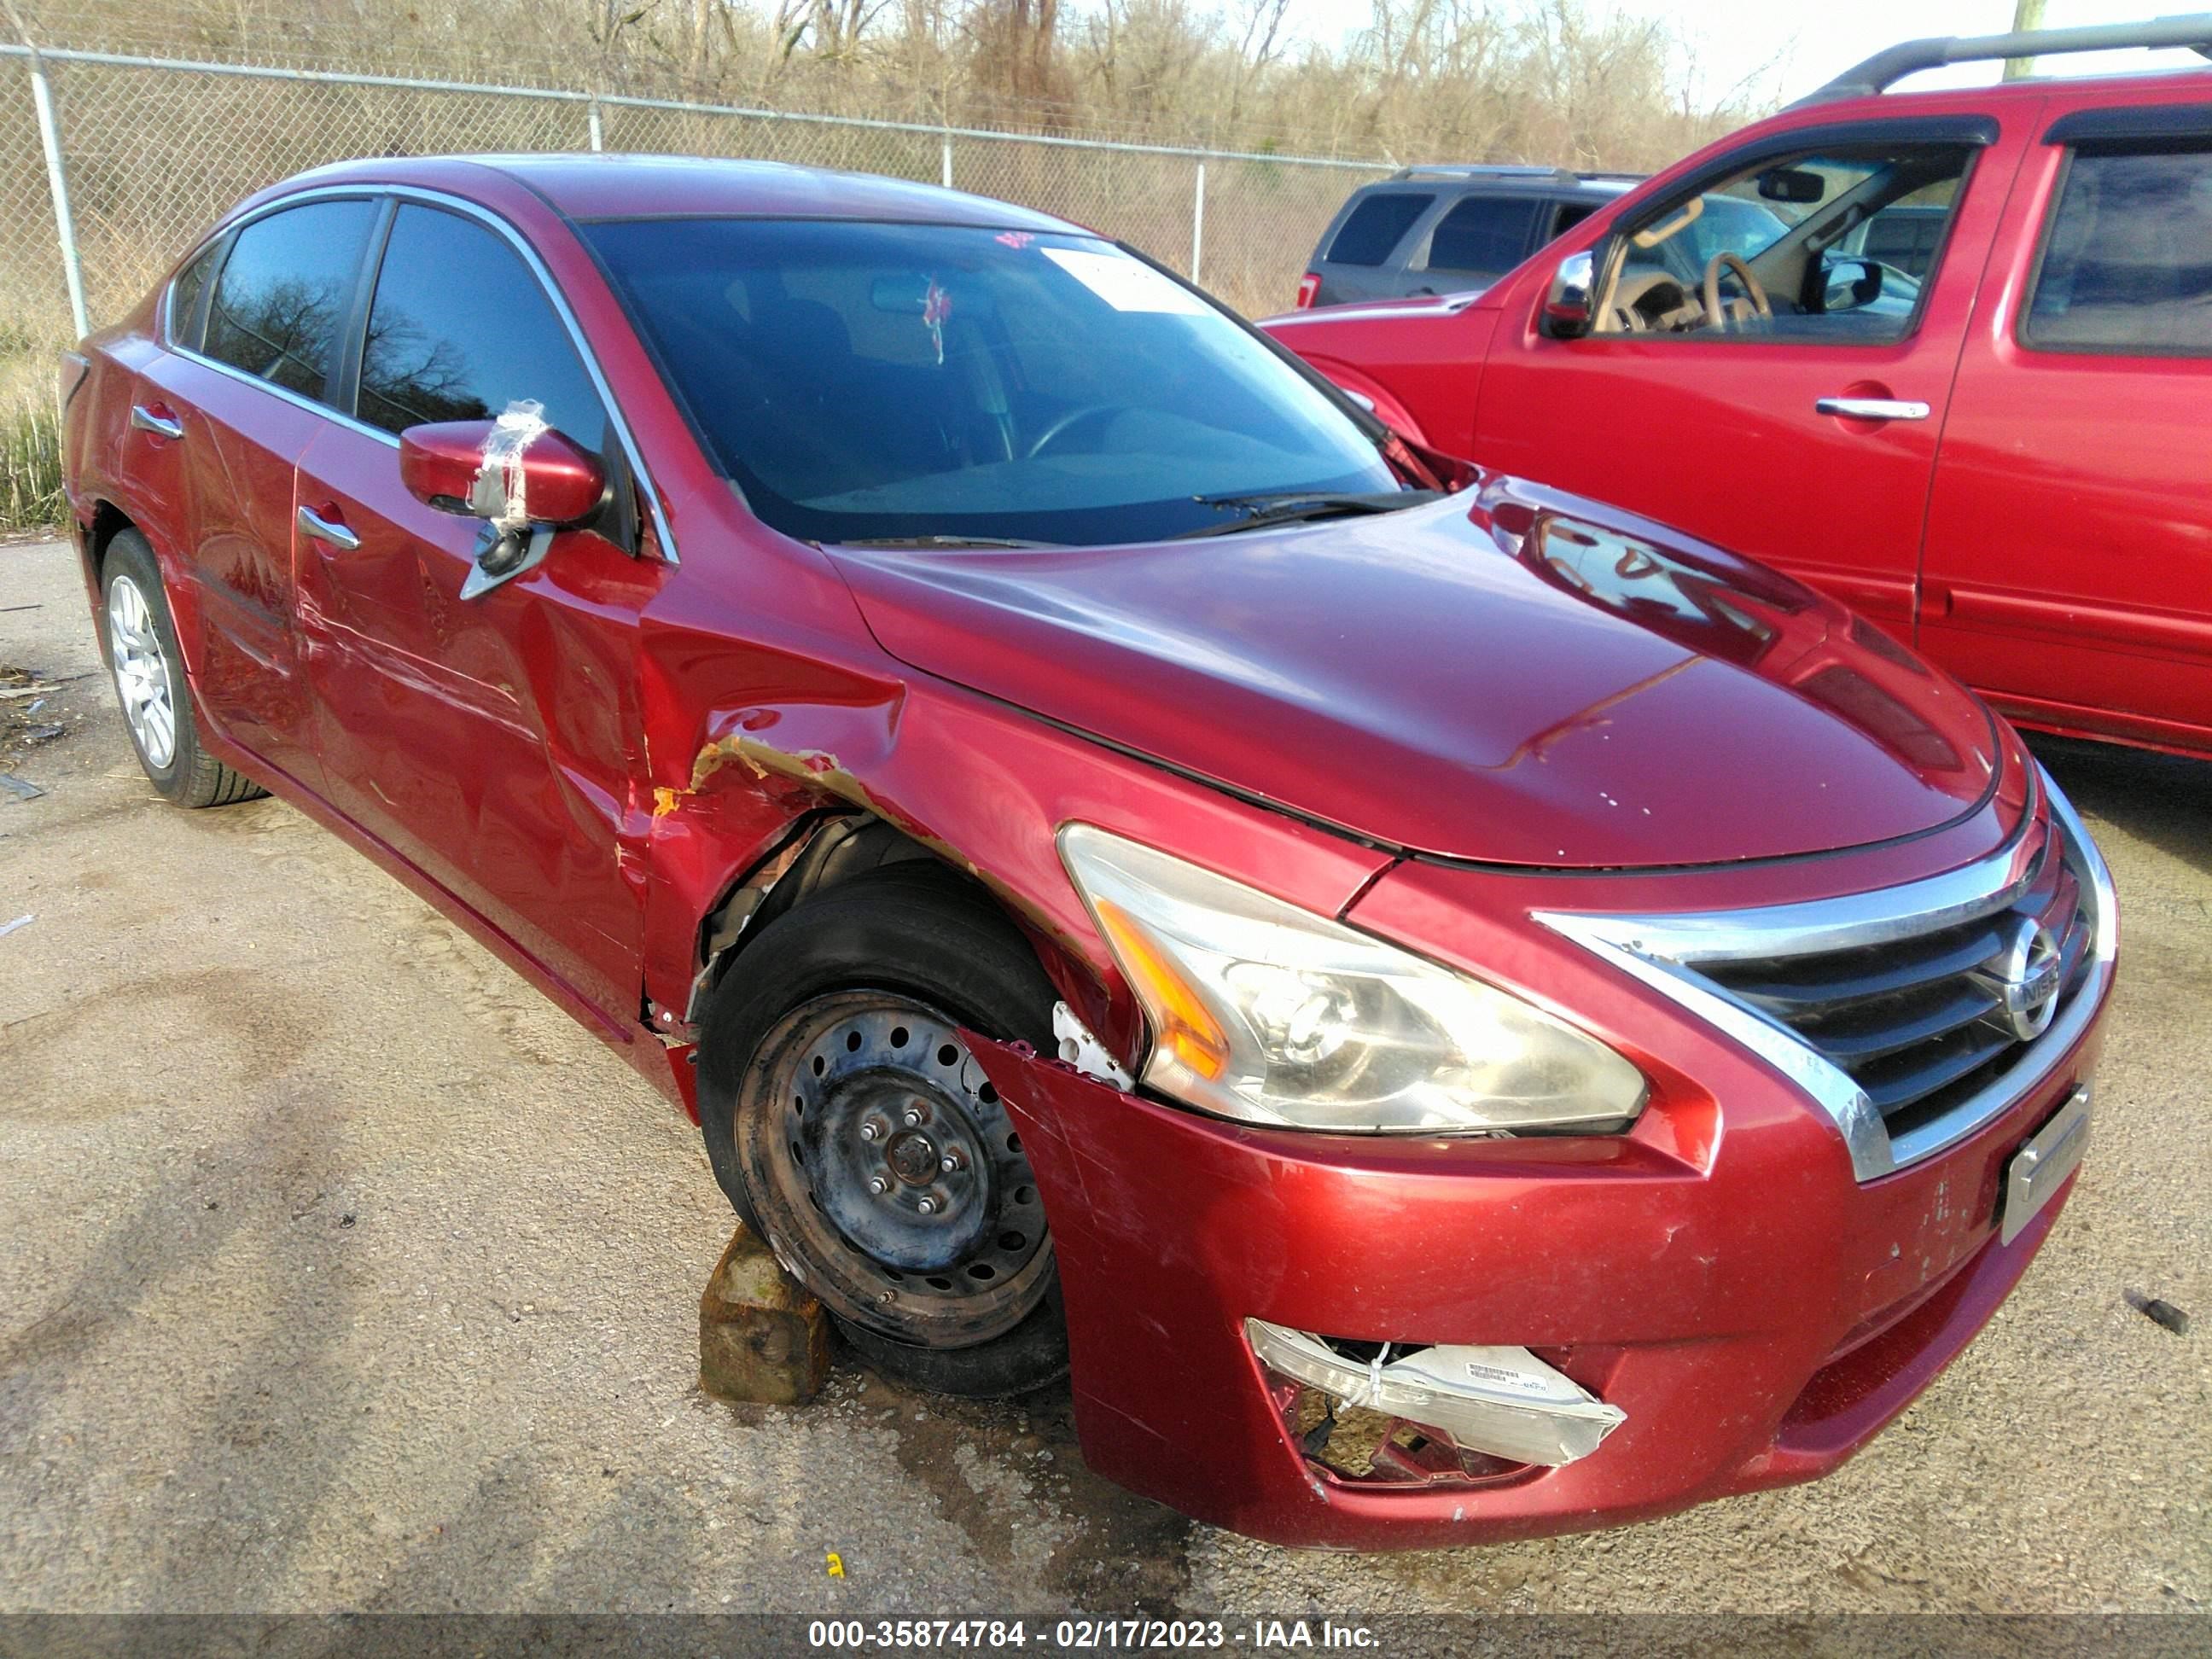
314	524
158	420
1872	409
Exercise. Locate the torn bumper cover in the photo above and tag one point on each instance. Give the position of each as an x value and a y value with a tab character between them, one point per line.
1503	1402
1680	1327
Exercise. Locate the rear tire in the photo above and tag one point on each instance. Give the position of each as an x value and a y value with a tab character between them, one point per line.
854	1132
147	672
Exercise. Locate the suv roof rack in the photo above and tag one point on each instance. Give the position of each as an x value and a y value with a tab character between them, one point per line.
1506	170
1880	72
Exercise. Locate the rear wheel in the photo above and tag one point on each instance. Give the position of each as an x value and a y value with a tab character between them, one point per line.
148	672
850	1123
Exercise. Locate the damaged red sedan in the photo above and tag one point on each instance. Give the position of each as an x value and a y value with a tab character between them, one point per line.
1448	1011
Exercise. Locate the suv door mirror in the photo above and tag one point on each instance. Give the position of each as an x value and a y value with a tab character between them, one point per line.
1567	302
522	477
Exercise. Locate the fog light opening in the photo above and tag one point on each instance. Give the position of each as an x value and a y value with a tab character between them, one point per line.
1455	1413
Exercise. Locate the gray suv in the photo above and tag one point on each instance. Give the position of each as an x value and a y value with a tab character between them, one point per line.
1448	229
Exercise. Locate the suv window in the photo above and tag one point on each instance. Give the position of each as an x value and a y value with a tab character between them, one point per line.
1377	225
2128	266
1813	229
1484	235
284	290
460	328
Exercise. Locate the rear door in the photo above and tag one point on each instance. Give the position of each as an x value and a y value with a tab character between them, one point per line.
493	740
1729	431
2068	564
245	386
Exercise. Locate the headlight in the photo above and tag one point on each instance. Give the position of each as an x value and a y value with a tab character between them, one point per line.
1264	1011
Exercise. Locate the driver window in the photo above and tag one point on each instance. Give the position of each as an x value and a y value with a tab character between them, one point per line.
1818	247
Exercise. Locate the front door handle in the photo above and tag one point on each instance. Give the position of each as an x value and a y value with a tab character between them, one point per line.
157	420
314	524
1872	409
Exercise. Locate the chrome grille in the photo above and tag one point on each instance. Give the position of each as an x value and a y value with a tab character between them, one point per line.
1921	1022
1900	1012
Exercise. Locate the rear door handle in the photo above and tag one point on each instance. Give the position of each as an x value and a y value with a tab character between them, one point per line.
314	524
1872	409
157	420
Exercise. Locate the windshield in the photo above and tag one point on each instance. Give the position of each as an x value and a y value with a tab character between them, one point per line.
862	381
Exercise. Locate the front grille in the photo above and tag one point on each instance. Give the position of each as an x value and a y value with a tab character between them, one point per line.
1912	1015
1920	1022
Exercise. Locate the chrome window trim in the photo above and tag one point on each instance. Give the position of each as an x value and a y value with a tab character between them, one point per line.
1659	950
484	215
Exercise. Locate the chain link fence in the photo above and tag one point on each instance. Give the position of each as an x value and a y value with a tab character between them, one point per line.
146	152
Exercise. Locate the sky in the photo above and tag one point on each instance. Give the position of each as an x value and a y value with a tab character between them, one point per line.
1780	50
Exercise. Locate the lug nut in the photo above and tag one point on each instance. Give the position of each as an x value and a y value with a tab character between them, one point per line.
878	1186
886	1296
926	1204
871	1130
913	1116
952	1161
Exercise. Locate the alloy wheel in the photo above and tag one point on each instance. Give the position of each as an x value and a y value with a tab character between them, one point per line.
142	679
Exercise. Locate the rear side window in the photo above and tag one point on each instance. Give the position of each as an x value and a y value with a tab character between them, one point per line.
1571	214
185	295
283	293
1377	226
460	328
2127	266
1484	233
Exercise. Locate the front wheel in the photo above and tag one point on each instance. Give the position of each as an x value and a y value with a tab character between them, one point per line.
847	1118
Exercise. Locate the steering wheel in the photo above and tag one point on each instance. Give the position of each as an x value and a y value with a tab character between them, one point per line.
1059	424
1715	316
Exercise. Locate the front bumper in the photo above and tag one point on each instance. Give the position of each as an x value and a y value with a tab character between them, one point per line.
1757	1312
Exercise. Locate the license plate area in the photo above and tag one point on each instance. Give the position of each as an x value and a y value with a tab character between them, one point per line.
2041	1165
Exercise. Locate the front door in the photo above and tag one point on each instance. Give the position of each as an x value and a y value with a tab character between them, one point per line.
1792	416
492	741
2068	567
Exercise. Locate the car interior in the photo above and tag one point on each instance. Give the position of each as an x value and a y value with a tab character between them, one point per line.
1791	249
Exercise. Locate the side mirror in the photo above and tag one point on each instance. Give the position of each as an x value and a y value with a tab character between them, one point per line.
1567	302
523	478
1847	284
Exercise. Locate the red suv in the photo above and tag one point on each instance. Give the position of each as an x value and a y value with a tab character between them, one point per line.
1946	356
1133	877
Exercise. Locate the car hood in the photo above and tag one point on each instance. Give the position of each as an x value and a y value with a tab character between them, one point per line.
1510	675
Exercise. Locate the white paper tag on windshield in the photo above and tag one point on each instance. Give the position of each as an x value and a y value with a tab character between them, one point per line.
1125	283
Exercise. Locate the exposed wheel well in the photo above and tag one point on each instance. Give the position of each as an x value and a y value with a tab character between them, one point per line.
107	521
820	852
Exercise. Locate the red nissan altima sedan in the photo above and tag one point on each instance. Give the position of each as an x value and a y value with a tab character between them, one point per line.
1447	1011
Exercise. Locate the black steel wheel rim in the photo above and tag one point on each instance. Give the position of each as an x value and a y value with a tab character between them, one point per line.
882	1159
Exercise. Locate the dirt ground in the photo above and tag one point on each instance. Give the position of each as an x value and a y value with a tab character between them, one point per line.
339	1270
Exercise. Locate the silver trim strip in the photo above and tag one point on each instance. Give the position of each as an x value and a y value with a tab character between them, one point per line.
520	244
1445	305
1659	952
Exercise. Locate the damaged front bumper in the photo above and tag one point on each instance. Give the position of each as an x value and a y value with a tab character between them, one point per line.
1717	1314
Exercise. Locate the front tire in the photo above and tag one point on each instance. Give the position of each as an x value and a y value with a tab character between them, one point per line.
147	671
850	1125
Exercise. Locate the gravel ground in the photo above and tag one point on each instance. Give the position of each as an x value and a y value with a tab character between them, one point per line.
339	1270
